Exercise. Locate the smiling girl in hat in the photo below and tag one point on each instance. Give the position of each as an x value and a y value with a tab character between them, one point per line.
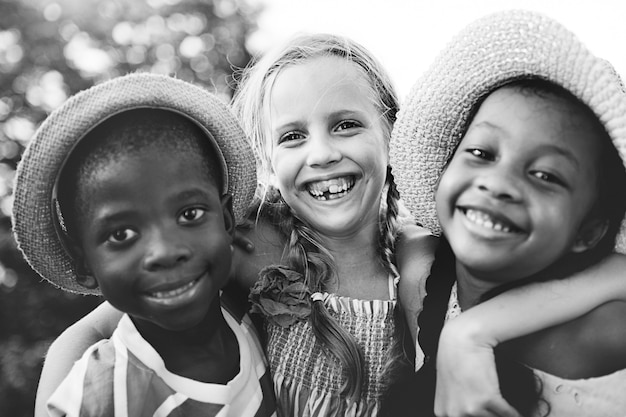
524	176
135	197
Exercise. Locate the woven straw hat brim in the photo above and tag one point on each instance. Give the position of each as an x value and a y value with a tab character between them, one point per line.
489	53
33	211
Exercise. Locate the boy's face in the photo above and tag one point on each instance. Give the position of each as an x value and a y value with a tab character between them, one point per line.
156	236
517	190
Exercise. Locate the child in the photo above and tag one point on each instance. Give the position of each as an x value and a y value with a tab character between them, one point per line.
533	191
320	113
131	190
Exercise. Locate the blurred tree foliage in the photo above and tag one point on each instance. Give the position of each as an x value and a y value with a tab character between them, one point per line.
49	50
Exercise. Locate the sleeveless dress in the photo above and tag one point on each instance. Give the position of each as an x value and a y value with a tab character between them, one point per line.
603	396
307	378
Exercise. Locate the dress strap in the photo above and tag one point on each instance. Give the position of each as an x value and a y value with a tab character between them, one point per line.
393	287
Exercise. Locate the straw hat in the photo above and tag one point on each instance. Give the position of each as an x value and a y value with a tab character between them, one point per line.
35	223
489	53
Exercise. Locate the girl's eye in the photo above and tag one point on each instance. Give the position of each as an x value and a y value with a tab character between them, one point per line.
480	153
191	215
347	124
121	235
290	136
546	177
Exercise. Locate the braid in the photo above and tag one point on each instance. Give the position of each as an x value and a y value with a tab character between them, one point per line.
389	224
430	323
414	393
438	288
399	361
307	255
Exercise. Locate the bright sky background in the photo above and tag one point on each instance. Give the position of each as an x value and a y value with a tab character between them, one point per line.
393	28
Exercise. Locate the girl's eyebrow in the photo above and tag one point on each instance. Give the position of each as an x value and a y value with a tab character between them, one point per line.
564	152
336	114
287	126
560	150
486	124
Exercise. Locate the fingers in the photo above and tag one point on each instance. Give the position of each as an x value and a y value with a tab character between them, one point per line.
493	408
243	243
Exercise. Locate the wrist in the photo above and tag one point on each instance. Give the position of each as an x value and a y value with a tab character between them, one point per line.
464	331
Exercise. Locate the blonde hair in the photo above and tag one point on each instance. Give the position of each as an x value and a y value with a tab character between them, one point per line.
304	251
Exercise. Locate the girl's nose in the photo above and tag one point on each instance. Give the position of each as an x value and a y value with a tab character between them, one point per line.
322	150
500	184
164	251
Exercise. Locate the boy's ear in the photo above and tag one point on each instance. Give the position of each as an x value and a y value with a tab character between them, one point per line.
227	211
84	276
591	232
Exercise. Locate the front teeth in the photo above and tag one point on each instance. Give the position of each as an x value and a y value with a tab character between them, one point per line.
331	189
484	220
172	293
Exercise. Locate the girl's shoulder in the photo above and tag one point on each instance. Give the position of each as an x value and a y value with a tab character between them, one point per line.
603	335
592	345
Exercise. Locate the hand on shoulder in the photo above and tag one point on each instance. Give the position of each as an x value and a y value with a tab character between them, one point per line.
267	249
415	251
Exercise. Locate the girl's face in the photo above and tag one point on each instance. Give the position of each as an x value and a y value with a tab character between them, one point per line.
329	147
517	191
156	237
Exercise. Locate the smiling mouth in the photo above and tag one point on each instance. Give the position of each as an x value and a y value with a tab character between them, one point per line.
331	189
487	221
173	293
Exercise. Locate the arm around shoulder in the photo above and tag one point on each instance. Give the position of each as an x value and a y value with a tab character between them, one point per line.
536	306
267	250
414	255
69	347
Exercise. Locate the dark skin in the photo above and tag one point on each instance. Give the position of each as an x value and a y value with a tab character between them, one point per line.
212	343
574	340
159	249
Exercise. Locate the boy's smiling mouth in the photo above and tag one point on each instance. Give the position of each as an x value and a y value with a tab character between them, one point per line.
172	295
331	189
486	220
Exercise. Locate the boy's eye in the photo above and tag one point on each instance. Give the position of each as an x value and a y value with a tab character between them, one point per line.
191	215
347	124
121	235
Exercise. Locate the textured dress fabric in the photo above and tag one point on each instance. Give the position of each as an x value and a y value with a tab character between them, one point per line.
603	396
125	376
307	378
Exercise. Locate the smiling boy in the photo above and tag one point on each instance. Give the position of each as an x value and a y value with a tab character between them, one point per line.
132	190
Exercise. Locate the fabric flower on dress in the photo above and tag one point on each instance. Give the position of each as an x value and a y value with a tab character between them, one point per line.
281	296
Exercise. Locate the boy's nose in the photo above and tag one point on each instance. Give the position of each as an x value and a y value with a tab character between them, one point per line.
322	150
165	251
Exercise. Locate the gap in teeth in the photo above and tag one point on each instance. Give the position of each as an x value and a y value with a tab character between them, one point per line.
335	188
484	220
